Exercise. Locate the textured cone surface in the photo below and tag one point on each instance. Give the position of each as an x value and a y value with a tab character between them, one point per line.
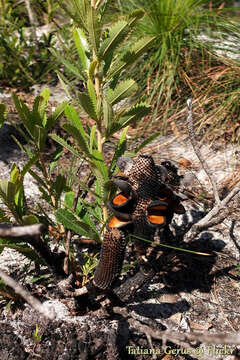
112	255
144	177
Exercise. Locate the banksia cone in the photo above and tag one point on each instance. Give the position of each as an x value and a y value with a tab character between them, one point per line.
145	203
112	255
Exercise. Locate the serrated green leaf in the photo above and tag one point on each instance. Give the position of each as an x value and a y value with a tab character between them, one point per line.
117	33
123	90
64	143
29	164
99	163
76	134
66	85
87	105
57	114
3	114
70	221
38	106
108	115
92	93
85	187
38	179
15	174
73	116
134	114
93	29
93	140
69	200
24	114
130	56
140	47
147	141
82	46
40	136
134	16
55	157
59	186
7	191
120	149
92	68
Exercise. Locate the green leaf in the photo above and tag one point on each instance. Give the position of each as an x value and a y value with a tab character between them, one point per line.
123	90
7	191
134	114
24	114
85	187
55	157
120	149
92	68
58	113
92	93
99	163
82	46
15	174
71	222
93	29
76	134
108	115
117	34
3	114
87	105
69	199
93	140
138	49
64	143
59	186
38	179
40	135
147	141
130	56
72	115
29	164
135	16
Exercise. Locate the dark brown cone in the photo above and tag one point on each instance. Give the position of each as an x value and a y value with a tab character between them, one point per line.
112	255
144	177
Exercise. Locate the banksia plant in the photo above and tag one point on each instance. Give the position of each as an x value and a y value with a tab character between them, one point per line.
99	66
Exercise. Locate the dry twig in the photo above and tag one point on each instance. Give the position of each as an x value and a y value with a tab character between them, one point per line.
178	337
213	217
31	300
21	231
197	151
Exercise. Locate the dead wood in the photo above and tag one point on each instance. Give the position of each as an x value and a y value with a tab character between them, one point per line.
214	217
31	300
179	338
21	231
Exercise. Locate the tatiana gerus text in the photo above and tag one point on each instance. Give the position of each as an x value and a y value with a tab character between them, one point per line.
207	350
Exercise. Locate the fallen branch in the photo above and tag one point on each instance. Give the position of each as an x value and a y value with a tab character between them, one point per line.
176	337
198	152
31	300
214	216
21	231
31	234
